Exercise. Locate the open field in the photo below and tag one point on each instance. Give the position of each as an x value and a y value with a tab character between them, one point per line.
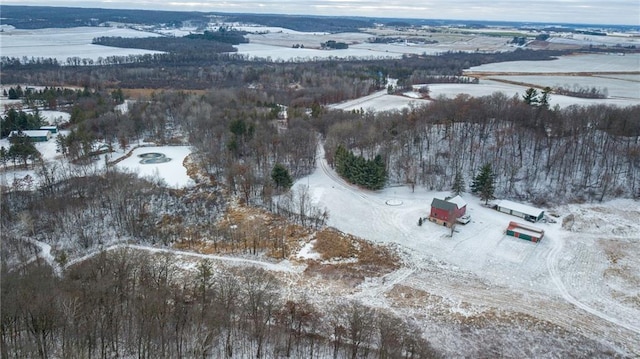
64	43
616	87
575	64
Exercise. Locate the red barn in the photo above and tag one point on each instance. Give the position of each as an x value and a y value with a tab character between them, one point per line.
448	210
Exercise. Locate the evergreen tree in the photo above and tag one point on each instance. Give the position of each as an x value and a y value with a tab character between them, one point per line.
530	97
379	174
544	97
458	184
484	183
19	121
281	177
13	94
23	149
118	95
371	174
4	156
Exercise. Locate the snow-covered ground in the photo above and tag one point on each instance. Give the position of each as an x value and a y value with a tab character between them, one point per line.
278	46
620	86
487	87
64	43
382	101
173	172
589	63
569	278
379	101
615	39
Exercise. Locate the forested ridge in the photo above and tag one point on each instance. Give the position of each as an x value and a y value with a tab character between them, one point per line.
39	17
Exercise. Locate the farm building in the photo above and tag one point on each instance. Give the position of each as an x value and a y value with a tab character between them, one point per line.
52	129
34	135
523	231
530	214
446	211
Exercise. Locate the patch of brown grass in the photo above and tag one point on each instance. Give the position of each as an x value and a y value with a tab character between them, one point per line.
350	259
251	230
377	256
334	245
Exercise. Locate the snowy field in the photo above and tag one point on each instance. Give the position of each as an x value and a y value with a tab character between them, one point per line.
381	101
64	43
278	46
569	278
285	54
615	39
589	63
378	101
618	75
620	87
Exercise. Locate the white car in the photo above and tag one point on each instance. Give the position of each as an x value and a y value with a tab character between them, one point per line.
464	219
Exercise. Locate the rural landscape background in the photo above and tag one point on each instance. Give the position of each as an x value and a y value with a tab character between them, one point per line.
191	184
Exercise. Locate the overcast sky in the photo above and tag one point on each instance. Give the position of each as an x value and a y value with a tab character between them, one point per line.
623	12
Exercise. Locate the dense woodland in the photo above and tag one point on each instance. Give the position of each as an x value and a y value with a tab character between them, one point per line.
254	126
130	304
541	154
325	81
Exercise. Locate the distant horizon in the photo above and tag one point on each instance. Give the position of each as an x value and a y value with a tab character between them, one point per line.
584	12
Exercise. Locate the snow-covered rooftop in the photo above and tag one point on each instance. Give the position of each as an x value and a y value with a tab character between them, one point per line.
522	208
32	133
458	201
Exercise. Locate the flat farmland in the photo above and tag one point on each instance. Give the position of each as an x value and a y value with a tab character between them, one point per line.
61	44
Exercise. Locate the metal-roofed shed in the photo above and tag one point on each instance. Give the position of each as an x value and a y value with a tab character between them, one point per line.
529	213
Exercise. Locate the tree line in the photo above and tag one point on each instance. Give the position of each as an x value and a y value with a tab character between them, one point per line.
204	70
185	45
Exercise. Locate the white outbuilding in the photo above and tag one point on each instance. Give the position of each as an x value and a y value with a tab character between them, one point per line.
529	213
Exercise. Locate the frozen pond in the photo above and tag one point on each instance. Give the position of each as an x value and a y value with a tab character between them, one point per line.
153	158
160	162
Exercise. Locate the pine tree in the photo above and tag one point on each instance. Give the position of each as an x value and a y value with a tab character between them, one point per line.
371	174
458	184
13	94
544	97
530	97
281	177
484	183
